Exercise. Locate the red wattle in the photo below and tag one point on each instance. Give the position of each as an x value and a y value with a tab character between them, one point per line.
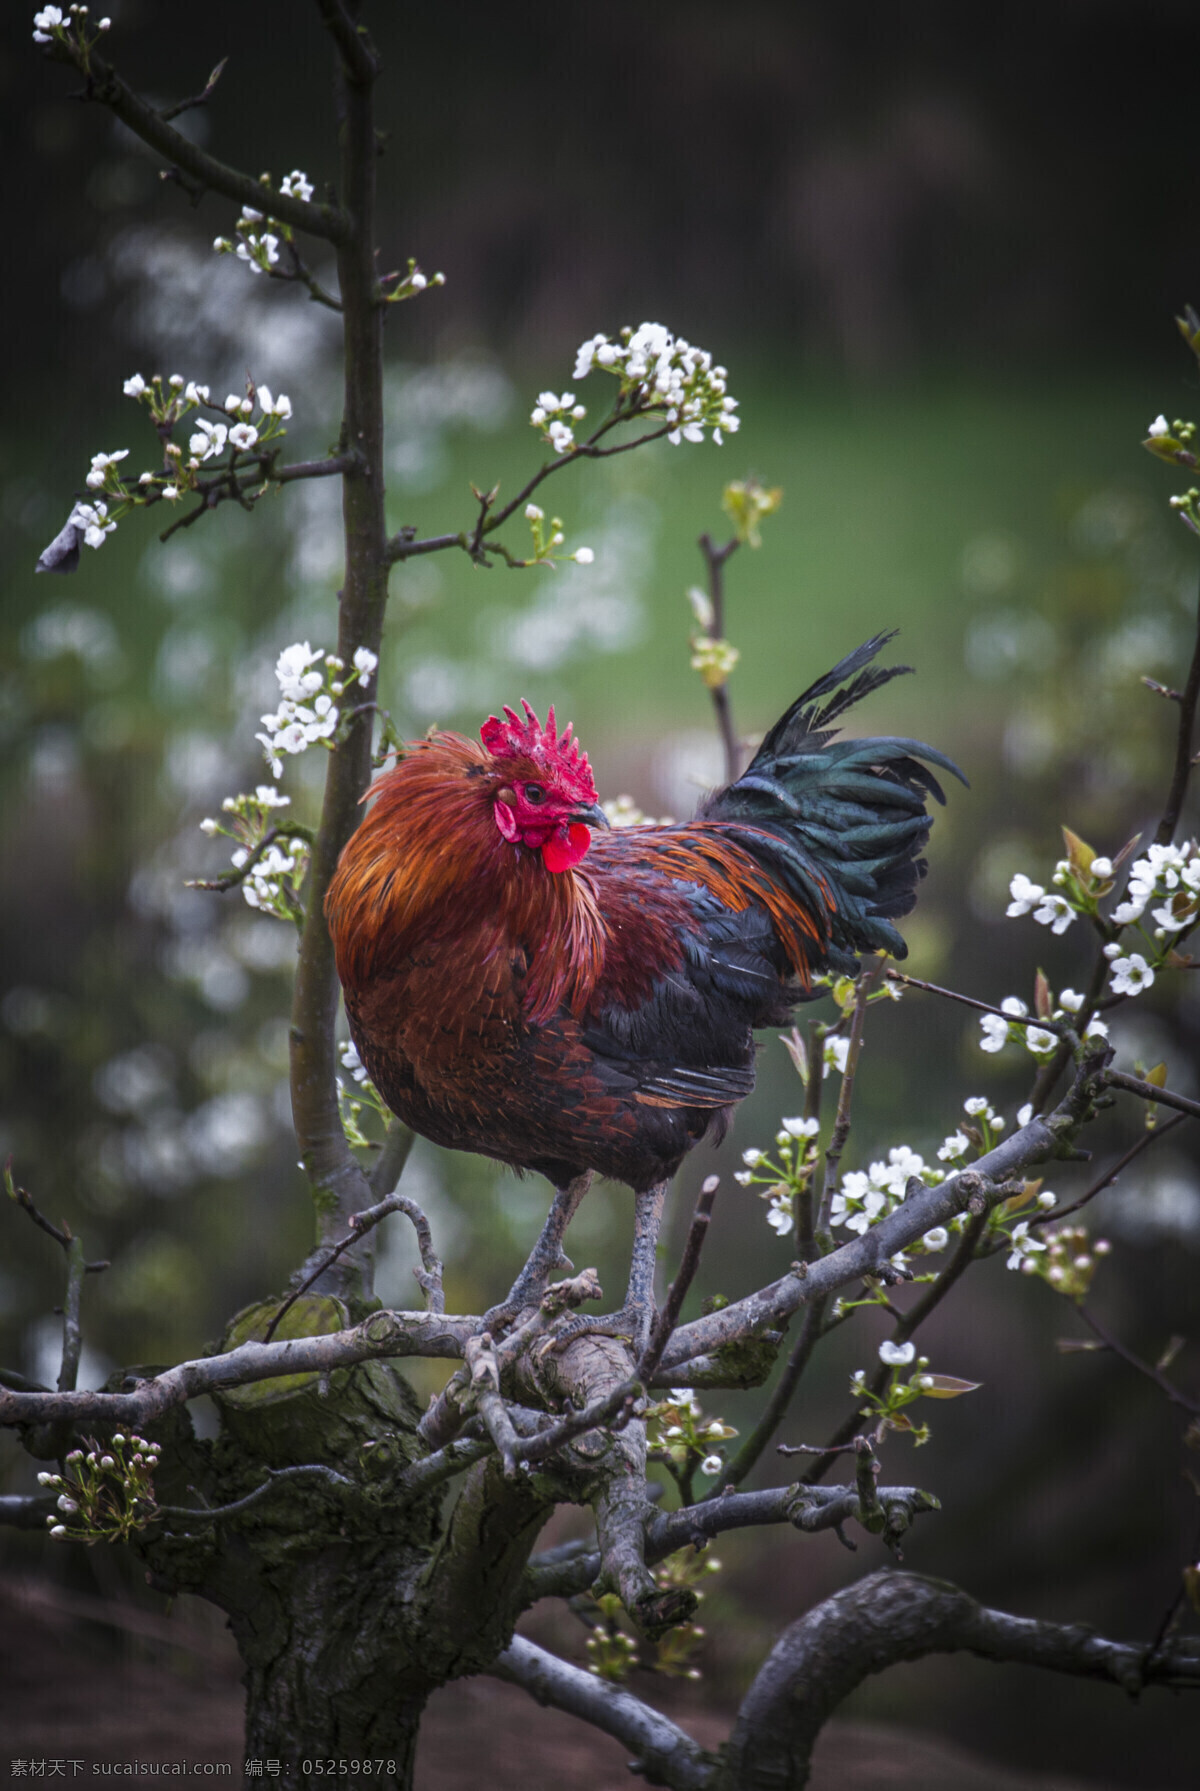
559	854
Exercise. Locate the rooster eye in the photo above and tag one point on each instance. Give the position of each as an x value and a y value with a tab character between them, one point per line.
534	794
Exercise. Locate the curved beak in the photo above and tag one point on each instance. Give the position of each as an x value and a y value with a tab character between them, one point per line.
591	814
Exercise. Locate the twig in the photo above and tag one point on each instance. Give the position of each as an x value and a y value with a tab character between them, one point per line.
1127	1355
211	1514
868	981
429	1276
63	1236
483	1393
1144	1142
1165	832
615	1409
906	1327
225	486
1063	1029
811	1331
167	113
1146	1091
358	55
230	879
715	558
105	85
668	1318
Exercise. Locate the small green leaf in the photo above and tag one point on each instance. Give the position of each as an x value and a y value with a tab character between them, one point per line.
946	1386
1079	853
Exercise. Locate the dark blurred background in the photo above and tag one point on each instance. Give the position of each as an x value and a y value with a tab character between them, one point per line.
939	252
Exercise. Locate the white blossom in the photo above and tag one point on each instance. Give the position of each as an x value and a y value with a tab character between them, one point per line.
937	1239
1046	1199
134	386
584	556
101	464
712	1464
1054	912
1160	427
243	436
837	1050
779	1217
1100	867
364	664
1025	1114
801	1128
1126	913
44	22
561	437
209	439
1131	975
297	185
94	520
752	1158
953	1147
897	1355
1038	1040
1022	1246
1025	895
353	1062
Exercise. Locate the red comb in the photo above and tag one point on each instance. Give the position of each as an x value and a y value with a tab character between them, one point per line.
557	755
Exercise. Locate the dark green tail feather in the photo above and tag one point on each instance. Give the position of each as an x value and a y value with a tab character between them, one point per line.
847	813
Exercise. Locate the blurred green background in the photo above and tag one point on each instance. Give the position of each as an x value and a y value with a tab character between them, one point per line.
940	263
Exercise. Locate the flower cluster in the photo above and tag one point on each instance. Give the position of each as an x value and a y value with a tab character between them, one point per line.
712	657
272	874
867	1196
780	1179
52	23
997	1031
1008	1224
610	1650
1174	442
983	1127
351	1102
887	1406
1167	875
411	284
1068	1260
311	682
548	538
168	402
662	374
683	1571
680	1435
108	1491
550	415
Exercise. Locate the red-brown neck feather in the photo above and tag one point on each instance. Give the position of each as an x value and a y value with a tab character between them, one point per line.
430	867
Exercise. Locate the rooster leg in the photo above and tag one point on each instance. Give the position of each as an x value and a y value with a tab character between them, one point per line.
545	1259
636	1318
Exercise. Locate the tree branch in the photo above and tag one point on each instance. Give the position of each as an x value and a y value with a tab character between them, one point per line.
891	1617
1135	1361
665	1754
689	1262
104	84
715	558
1165	831
1161	1097
925	1209
383	1334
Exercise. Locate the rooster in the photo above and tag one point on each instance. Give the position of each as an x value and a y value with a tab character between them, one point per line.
582	1005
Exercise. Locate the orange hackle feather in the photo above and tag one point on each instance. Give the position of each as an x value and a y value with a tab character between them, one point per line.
428	868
